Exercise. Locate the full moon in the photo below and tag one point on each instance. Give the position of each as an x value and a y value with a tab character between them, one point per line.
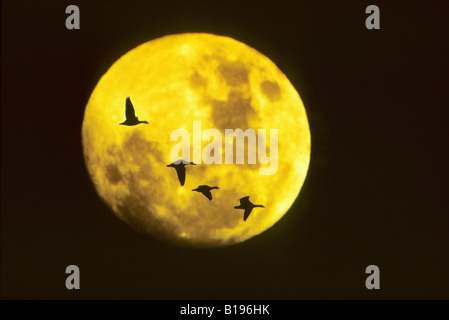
172	82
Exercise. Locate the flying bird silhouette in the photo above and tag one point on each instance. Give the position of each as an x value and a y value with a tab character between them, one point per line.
131	119
247	206
180	166
205	190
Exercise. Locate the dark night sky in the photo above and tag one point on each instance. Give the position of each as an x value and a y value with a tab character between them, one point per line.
376	190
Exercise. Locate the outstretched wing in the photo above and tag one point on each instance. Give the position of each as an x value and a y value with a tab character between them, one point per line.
130	113
247	213
181	171
208	194
183	162
245	202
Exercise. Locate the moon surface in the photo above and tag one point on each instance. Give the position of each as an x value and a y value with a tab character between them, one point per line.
173	81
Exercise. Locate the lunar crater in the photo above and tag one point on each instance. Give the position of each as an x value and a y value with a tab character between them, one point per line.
235	73
271	90
113	174
233	113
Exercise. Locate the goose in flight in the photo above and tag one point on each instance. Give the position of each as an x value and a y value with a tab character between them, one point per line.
205	190
180	166
131	119
247	206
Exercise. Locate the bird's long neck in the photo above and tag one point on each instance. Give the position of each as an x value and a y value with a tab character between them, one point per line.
214	188
259	205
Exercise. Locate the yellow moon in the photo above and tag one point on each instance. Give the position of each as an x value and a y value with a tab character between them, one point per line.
173	81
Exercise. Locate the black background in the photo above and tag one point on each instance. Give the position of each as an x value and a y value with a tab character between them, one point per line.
376	190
